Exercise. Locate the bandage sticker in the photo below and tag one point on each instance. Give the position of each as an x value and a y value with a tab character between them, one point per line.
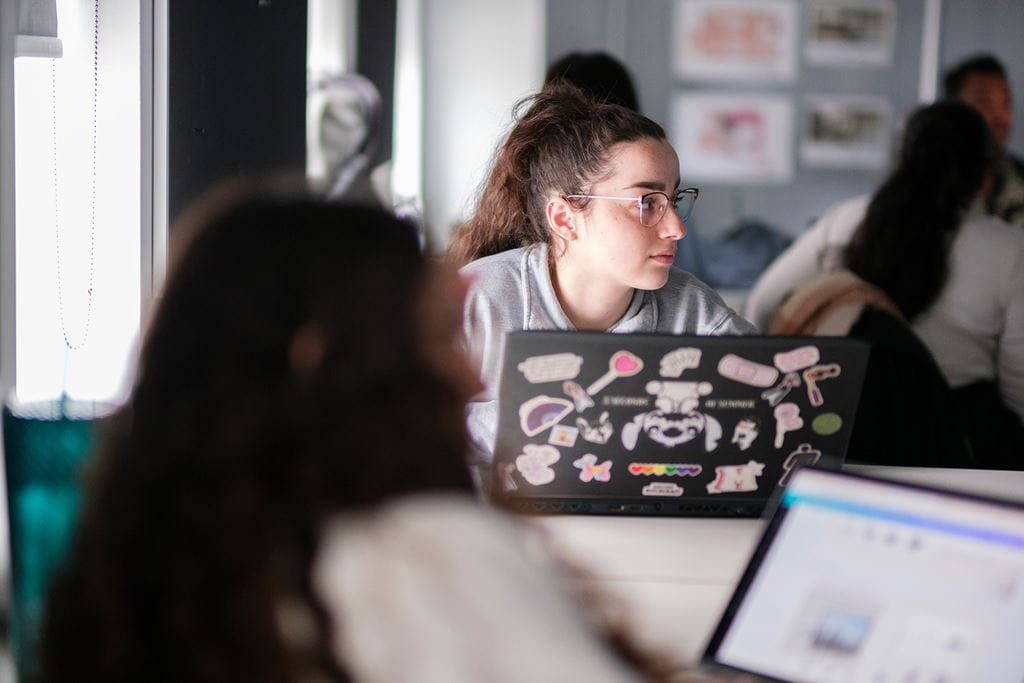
780	390
745	431
541	412
747	371
580	398
803	455
590	470
595	431
621	364
817	374
662	488
563	435
552	367
826	424
664	469
787	419
736	478
674	362
797	359
534	464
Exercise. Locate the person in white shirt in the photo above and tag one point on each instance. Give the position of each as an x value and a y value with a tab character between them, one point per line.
955	274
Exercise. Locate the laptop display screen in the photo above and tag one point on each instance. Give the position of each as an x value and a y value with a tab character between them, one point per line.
859	579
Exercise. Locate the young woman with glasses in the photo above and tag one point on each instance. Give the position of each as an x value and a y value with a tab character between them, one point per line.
576	228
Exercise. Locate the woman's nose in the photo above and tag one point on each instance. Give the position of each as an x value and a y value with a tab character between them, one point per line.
672	226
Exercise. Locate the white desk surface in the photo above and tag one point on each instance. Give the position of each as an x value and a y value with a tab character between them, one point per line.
674	576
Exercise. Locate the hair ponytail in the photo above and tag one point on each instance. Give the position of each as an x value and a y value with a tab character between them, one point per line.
559	143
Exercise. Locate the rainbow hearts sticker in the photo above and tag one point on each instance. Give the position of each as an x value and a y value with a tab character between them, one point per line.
659	469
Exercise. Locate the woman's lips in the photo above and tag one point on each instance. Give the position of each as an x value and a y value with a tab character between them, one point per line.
664	259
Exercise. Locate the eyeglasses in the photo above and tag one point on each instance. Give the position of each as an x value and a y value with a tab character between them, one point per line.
654	204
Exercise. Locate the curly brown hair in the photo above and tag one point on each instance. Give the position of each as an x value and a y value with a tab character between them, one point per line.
206	500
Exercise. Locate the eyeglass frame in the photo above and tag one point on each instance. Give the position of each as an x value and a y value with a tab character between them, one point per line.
640	201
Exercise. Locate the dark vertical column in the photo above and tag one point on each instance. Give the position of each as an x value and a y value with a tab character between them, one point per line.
375	59
236	91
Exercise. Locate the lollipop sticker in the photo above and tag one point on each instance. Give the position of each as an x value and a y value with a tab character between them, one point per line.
621	364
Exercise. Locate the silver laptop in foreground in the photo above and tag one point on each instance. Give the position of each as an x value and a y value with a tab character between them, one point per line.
865	579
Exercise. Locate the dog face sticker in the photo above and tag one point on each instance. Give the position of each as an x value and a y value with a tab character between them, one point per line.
675	419
595	431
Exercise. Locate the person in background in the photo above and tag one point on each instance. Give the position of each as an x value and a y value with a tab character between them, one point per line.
576	228
953	273
598	74
981	82
284	496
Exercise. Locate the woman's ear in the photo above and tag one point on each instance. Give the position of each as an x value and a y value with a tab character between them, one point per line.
561	217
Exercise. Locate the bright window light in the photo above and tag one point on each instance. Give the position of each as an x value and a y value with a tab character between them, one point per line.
77	193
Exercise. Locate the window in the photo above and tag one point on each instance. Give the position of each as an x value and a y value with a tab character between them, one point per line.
85	254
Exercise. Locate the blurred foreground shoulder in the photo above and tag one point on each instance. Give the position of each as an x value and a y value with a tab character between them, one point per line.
459	590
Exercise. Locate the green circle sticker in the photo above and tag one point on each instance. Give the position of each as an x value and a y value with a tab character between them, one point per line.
827	423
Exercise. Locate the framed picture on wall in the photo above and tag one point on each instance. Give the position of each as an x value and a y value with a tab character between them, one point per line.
848	33
734	138
735	40
846	131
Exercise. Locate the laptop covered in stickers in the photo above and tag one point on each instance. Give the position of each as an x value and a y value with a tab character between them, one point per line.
858	578
601	423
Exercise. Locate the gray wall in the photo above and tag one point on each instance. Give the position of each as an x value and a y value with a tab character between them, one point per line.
640	33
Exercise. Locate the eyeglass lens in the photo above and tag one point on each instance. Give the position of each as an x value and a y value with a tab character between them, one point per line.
654	205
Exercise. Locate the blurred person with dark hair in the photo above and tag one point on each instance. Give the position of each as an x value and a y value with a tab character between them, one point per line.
921	249
981	81
598	74
284	496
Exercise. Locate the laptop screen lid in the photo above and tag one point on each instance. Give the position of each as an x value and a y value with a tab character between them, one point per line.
666	424
864	579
